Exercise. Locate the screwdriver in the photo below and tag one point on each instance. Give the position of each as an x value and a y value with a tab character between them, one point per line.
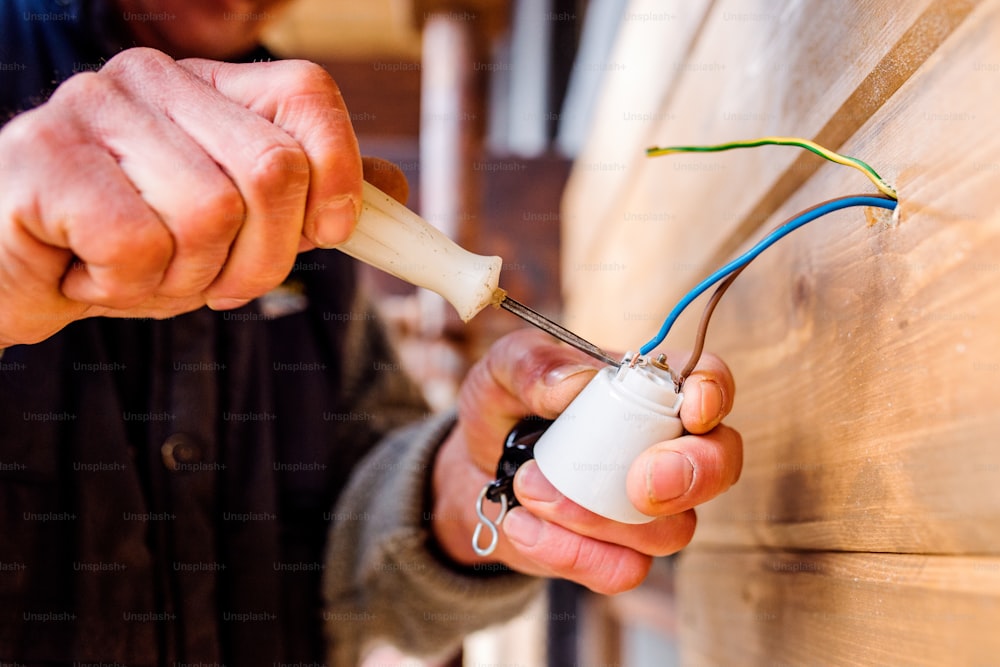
394	239
550	327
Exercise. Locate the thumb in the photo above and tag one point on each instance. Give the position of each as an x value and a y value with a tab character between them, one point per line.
300	98
524	373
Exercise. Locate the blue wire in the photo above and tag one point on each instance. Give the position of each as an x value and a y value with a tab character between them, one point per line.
761	246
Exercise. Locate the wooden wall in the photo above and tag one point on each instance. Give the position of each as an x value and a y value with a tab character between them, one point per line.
866	526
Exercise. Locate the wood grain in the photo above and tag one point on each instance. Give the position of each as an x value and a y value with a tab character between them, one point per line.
922	38
866	353
755	70
866	526
787	608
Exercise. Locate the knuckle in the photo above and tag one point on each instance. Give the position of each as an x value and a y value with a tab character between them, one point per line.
721	461
217	213
279	167
570	557
24	137
224	210
146	250
139	58
310	78
86	87
621	573
311	88
128	270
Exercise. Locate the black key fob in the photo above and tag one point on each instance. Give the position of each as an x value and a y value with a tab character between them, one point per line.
518	449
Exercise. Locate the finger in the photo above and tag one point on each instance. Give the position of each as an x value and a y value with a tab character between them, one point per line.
121	259
268	167
600	566
123	254
524	373
660	537
387	177
156	307
542	374
708	395
194	199
676	475
302	99
38	308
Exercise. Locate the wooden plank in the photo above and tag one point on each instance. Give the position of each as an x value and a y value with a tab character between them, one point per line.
755	71
787	608
866	354
653	41
926	34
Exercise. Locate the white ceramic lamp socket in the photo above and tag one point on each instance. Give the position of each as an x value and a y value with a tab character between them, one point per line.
587	451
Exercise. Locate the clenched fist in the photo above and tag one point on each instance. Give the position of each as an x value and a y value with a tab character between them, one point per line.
154	187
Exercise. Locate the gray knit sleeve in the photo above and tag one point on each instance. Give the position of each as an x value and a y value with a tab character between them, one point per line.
383	582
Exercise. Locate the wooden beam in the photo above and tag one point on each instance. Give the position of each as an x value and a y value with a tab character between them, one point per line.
793	608
866	352
751	73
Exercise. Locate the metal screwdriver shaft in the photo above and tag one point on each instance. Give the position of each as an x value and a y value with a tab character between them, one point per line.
550	327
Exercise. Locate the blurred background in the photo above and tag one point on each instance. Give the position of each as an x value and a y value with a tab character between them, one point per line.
522	124
485	105
467	99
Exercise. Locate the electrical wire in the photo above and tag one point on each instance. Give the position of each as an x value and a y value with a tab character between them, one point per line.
826	153
740	262
706	316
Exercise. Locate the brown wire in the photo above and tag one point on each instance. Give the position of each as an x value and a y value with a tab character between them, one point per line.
706	315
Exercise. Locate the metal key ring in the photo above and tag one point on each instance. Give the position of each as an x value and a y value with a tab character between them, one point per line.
491	525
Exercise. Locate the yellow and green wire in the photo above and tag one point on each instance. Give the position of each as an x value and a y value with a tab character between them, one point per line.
725	275
826	153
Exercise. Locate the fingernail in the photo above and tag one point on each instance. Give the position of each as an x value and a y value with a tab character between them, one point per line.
668	475
562	373
712	400
226	304
531	483
522	527
334	222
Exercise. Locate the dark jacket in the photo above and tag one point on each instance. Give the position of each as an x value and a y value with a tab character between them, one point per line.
166	486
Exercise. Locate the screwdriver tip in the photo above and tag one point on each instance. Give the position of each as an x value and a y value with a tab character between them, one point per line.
557	331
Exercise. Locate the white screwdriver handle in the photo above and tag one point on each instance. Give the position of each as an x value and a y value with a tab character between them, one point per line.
396	240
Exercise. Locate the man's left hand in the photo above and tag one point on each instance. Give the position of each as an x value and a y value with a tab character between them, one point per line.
527	373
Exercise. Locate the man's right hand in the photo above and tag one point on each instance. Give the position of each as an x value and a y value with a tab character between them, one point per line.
154	187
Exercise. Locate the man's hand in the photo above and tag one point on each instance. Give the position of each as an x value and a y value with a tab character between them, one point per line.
154	187
527	373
